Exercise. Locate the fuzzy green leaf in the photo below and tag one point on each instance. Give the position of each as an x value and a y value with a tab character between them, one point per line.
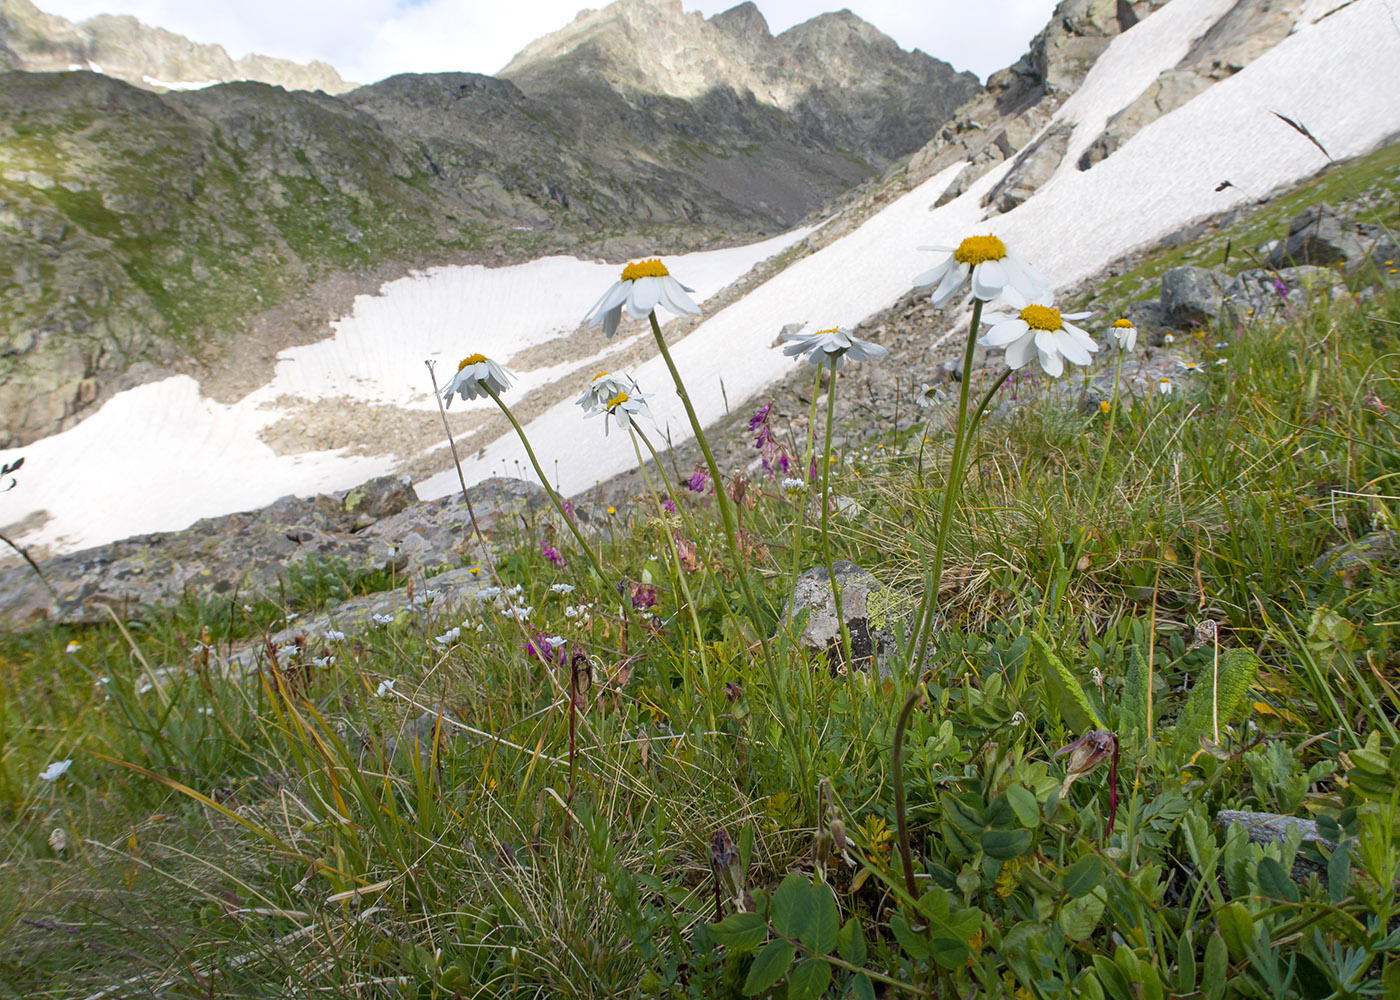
769	965
850	942
1132	711
1080	916
1215	969
1216	695
823	921
1071	700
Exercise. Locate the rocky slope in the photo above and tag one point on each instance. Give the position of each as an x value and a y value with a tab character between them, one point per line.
152	58
144	233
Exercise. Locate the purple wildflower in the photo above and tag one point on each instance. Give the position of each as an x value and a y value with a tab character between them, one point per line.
760	419
553	555
1280	287
549	650
699	482
568	510
668	505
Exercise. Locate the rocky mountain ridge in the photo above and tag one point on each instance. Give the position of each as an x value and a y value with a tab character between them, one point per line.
145	233
153	58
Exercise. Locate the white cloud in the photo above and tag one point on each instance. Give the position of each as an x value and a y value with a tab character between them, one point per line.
367	40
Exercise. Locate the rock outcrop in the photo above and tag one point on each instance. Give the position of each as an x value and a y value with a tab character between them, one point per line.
153	58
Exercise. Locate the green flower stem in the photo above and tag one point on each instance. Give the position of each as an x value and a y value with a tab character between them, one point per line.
950	494
708	689
800	521
844	632
901	817
544	481
727	515
1108	438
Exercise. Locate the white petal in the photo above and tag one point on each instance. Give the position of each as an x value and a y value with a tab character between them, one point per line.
1004	333
988	279
1081	338
646	292
1045	342
939	249
934	276
950	285
611	298
673	297
1051	364
1072	350
1019	354
611	319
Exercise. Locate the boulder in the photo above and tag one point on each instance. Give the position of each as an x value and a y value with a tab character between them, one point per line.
1033	167
1272	828
1192	296
1319	235
869	607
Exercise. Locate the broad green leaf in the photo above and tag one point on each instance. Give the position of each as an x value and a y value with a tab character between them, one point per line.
1236	926
1214	697
745	846
809	979
1338	873
949	952
788	911
1025	805
1186	964
823	921
850	942
1084	876
769	965
1111	978
1132	710
1079	917
1274	881
1074	705
1215	969
740	932
1006	844
914	944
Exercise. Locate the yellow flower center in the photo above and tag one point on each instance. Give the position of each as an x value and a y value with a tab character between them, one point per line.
823	333
644	269
978	249
617	400
471	359
601	375
1123	324
1041	318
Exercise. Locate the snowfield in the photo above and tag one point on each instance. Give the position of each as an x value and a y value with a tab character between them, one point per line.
160	456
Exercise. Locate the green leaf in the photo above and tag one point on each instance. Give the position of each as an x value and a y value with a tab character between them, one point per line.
1274	881
1236	926
850	942
1215	696
1338	873
1132	710
823	922
809	979
863	989
745	846
1006	844
914	944
1084	876
1186	964
740	932
769	965
1073	704
1215	969
1079	917
949	952
1025	805
788	912
1112	979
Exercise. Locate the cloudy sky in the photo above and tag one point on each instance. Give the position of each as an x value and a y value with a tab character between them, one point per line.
367	40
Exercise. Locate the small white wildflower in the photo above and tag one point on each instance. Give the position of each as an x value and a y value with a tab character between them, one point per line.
385	689
1168	339
488	594
929	396
555	641
643	286
571	612
624	407
1189	366
333	635
287	653
794	485
1124	335
992	266
322	661
519	614
562	588
73	646
449	637
1164	386
55	770
605	386
824	345
475	376
383	619
1018	719
205	710
248	608
293	615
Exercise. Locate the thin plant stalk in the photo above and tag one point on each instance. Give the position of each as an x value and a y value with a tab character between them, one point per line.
934	579
845	633
1112	424
727	515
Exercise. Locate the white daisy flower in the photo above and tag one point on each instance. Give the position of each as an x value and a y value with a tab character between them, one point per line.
1164	386
993	268
73	646
929	396
55	770
820	347
1168	339
1189	366
1038	330
794	486
605	386
1124	335
624	407
644	285
475	375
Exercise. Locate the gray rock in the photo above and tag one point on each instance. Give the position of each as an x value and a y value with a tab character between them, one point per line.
1272	828
1349	560
1192	296
870	608
1255	295
1150	317
1318	235
1033	167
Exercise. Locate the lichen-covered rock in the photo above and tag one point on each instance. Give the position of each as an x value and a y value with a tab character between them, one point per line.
1319	235
1258	294
1192	296
870	609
